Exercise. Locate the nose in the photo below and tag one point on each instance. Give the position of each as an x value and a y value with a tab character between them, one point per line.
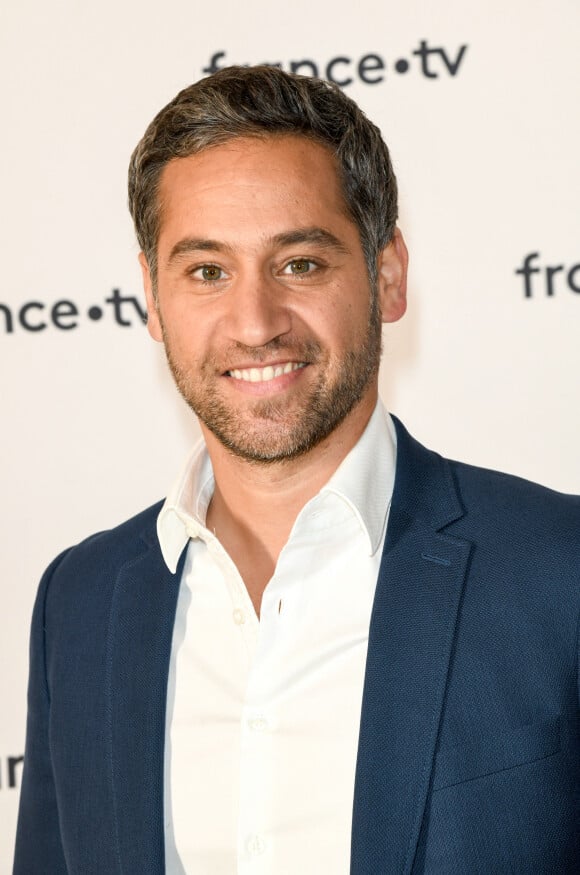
258	311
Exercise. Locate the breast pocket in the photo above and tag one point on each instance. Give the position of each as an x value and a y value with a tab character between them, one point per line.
487	754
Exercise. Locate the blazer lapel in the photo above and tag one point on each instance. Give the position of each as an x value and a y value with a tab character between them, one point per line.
410	649
140	634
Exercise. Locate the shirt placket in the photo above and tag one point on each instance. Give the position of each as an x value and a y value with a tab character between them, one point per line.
257	739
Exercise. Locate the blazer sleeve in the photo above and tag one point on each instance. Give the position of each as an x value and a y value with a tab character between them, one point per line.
38	841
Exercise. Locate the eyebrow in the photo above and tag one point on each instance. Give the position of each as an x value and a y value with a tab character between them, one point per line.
196	244
319	236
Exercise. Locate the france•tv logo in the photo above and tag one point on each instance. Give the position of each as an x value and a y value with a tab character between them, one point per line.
547	280
430	61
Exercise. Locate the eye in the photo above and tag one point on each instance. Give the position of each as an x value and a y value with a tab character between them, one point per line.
300	266
208	273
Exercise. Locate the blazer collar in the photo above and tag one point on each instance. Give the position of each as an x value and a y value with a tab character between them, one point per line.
410	649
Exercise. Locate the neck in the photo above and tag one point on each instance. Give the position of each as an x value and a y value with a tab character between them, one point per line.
254	506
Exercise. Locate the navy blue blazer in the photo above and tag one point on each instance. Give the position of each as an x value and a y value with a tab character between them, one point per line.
469	749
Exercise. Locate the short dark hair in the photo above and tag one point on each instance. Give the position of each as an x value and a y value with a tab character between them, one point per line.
261	101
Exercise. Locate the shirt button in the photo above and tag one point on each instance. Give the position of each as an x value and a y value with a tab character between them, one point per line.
239	617
192	529
255	845
258	723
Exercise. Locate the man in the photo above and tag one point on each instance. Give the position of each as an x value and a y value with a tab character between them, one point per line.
330	650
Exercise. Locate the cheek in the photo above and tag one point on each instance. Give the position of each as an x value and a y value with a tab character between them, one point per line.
334	324
344	322
189	339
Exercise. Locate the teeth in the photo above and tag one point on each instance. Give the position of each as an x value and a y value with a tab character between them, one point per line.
262	375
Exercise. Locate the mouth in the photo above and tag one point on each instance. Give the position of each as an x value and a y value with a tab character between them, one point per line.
266	373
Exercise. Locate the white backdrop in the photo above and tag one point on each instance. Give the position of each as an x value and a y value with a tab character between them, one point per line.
478	102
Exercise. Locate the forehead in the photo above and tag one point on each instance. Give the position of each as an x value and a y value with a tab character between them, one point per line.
252	180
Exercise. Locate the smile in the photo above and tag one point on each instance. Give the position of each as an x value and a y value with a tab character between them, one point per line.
263	375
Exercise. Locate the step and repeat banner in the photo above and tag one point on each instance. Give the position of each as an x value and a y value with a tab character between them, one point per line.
478	102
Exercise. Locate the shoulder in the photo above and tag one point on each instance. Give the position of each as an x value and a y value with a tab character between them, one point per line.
525	544
524	521
89	568
508	497
511	522
484	492
118	543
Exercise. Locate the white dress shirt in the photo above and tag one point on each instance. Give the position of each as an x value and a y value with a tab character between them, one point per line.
263	714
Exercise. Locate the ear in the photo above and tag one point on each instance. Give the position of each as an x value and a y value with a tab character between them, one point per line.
153	321
392	278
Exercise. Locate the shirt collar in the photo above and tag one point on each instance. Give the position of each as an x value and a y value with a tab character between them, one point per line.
366	477
184	511
364	480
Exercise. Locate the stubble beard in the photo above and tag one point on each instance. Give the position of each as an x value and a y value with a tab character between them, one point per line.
276	431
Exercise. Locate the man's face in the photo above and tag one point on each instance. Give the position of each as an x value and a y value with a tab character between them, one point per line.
263	298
